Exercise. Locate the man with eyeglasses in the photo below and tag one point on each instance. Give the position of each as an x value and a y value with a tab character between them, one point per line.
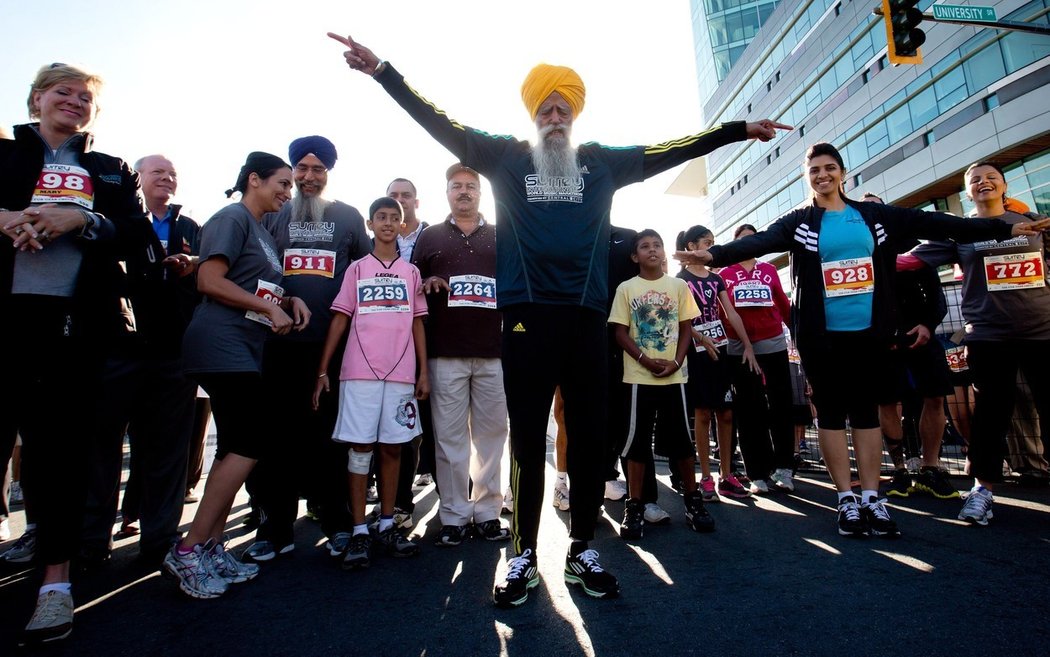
317	239
457	263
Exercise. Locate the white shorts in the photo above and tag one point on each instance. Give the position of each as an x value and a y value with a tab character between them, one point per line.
377	411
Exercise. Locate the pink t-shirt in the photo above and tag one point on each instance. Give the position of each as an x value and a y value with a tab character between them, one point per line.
382	301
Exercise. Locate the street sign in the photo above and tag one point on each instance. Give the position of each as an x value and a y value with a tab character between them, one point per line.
964	13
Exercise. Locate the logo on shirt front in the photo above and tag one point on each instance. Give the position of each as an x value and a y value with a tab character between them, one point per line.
311	231
1020	240
553	188
271	257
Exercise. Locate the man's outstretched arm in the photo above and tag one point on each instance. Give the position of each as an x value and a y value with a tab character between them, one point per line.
661	157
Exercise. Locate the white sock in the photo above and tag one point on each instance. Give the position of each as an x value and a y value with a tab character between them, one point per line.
869	496
563	478
62	587
847	496
385	523
360	529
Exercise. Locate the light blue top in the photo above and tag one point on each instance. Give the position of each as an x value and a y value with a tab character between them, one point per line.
843	236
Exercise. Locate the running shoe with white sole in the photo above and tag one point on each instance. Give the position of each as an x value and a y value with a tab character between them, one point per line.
194	572
730	486
561	497
850	521
615	490
782	479
52	619
877	517
583	569
522	575
977	509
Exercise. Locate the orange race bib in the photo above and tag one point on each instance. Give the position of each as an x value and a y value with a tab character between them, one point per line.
956	359
310	262
64	183
843	278
1014	271
270	292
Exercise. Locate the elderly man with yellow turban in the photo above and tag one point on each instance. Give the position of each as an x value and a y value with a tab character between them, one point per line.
552	205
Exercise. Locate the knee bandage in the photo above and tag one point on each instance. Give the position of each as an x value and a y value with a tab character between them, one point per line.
359	462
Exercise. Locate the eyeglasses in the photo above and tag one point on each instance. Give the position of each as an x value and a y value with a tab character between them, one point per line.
317	170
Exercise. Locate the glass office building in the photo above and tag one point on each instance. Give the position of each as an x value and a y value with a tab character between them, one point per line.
907	133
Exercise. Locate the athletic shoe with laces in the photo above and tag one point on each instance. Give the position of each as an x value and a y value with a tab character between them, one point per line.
52	619
194	572
877	517
730	486
699	519
358	552
900	483
707	489
261	551
402	519
935	482
781	478
394	544
633	525
977	509
451	535
23	549
851	522
759	487
229	568
522	575
424	480
615	490
338	544
584	569
655	515
492	530
561	497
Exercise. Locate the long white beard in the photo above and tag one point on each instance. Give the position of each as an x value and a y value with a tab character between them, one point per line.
306	209
554	156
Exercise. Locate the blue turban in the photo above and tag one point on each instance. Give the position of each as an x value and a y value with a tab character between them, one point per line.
322	149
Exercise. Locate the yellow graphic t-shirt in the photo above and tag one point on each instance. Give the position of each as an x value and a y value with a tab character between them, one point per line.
651	310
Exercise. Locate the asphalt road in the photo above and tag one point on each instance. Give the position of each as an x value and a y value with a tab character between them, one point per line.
774	579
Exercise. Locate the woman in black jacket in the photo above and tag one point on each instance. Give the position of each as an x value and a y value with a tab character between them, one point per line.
843	254
68	216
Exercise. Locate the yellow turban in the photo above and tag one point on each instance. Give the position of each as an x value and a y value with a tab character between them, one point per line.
545	79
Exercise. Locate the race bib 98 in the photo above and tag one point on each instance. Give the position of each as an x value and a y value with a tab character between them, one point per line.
64	183
843	278
382	295
472	291
1015	271
311	262
271	292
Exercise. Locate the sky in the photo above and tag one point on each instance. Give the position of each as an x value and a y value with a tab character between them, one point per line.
207	82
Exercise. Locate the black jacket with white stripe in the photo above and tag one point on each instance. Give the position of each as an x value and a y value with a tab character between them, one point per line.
893	230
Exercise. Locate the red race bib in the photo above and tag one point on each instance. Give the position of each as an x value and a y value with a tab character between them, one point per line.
1014	271
311	262
843	278
64	183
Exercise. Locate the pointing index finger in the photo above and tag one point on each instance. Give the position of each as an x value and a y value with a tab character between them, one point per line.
346	41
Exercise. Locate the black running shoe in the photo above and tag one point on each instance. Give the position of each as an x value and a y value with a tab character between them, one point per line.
935	482
393	544
877	517
699	519
900	484
633	520
522	575
851	522
584	569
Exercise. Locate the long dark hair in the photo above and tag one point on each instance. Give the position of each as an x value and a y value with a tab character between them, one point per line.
824	148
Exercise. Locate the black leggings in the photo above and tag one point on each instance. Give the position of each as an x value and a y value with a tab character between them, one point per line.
844	370
994	367
762	410
546	346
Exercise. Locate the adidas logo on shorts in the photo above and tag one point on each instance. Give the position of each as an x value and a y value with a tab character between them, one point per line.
518	328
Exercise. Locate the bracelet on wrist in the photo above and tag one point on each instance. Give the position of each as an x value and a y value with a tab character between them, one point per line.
676	363
322	375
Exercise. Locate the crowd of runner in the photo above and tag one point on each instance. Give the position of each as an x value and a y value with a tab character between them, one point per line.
341	355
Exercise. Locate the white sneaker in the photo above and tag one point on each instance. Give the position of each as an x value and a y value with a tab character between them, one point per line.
508	503
759	487
5	530
52	619
615	490
561	497
782	479
654	515
424	480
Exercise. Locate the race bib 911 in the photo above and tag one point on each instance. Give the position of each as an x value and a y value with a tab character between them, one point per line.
472	291
382	295
311	262
64	183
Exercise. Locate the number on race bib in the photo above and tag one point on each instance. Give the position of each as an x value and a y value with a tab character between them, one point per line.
1014	271
472	291
848	277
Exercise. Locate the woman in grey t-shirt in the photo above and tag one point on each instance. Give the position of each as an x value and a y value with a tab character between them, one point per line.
240	276
1006	305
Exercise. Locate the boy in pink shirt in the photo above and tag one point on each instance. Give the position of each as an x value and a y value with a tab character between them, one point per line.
382	303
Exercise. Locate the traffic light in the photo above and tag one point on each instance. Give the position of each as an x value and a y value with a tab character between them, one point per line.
903	35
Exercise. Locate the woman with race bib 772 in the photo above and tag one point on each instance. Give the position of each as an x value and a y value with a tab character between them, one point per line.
843	255
1006	306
